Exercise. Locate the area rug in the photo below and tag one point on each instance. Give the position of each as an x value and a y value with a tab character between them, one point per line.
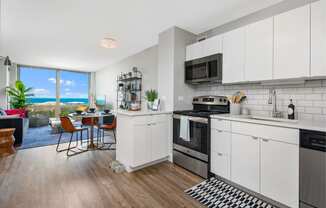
42	136
215	193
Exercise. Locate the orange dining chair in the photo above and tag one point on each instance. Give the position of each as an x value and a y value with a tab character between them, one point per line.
105	128
68	127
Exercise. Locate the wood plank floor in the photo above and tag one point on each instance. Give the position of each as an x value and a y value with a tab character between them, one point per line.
42	178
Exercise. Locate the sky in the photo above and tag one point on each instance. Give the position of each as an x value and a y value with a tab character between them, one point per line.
43	82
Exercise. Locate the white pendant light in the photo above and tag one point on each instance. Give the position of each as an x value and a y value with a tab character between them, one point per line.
108	43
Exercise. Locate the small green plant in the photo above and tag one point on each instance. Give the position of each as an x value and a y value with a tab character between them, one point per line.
151	95
19	94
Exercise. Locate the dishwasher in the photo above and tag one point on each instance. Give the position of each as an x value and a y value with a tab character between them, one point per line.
312	169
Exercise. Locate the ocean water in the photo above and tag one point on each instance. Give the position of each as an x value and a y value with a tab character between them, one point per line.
62	100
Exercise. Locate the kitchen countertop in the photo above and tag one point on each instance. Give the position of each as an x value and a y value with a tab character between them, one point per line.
301	124
142	113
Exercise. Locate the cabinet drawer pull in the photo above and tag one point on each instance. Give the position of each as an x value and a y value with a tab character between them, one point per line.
255	138
265	140
219	131
219	154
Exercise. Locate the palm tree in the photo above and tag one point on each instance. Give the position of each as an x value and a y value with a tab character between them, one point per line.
18	95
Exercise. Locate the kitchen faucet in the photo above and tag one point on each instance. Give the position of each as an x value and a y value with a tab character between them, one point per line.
272	100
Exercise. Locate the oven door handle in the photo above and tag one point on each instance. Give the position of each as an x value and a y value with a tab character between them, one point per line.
198	120
194	119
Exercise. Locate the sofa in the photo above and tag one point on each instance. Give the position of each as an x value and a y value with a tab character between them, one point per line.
18	119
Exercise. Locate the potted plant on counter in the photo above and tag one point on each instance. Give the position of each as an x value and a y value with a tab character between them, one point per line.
150	96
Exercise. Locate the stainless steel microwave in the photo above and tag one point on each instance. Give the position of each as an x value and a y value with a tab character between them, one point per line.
202	70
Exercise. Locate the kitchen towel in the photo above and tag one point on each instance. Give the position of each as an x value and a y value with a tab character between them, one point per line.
184	128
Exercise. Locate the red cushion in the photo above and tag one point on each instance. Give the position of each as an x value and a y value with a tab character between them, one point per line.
21	112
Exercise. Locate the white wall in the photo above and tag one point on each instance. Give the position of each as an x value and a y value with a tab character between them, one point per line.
146	61
165	69
3	76
183	93
175	94
3	81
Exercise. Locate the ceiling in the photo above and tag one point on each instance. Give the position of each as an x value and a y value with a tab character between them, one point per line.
66	33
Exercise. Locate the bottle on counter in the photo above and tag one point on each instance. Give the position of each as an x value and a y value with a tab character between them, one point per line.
291	109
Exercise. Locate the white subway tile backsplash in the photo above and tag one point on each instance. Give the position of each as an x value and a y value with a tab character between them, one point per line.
303	90
299	109
309	98
296	96
304	103
304	116
313	110
319	103
319	118
313	96
319	90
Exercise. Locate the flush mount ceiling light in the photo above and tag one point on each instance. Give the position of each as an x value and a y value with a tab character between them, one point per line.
108	43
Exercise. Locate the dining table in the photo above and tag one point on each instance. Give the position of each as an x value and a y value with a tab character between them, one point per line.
93	117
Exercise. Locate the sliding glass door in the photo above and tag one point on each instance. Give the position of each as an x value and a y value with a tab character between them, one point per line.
56	92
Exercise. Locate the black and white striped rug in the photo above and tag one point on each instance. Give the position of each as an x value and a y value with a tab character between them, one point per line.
215	193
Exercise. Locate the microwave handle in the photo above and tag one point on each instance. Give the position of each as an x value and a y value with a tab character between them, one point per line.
207	70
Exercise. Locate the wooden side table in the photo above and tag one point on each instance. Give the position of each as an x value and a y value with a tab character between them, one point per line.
7	140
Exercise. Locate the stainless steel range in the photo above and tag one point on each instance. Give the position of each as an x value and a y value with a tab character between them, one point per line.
191	133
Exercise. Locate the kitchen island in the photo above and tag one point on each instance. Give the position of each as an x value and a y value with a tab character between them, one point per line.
143	138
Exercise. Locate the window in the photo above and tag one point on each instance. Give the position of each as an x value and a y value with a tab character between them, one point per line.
43	83
56	92
74	87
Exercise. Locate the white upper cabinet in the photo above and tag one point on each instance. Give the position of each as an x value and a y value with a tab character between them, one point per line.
234	56
259	51
194	51
318	38
212	46
204	48
292	44
280	172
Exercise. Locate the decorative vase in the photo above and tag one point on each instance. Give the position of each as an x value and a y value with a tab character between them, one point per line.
150	105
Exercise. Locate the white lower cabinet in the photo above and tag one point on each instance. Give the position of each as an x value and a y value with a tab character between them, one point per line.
245	161
143	135
280	172
220	164
159	144
220	153
142	140
267	166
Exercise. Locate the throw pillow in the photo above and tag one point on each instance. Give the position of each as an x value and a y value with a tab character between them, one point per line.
2	112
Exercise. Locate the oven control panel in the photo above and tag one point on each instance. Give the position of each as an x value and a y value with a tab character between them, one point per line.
211	100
